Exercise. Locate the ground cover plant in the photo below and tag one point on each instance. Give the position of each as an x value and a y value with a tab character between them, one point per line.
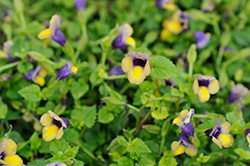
124	82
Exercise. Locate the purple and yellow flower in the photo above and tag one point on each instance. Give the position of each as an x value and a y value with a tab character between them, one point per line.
247	134
116	70
80	4
6	52
183	145
169	82
137	66
174	25
37	76
6	17
54	126
220	134
183	121
8	154
67	70
58	163
124	38
165	4
238	91
53	31
204	86
201	38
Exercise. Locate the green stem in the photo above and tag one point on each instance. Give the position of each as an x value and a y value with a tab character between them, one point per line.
82	42
190	70
10	65
23	22
133	108
125	88
142	122
104	56
114	77
88	152
207	116
34	118
219	58
177	105
216	28
138	114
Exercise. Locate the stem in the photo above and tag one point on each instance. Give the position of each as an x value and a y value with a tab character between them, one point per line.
219	58
23	22
133	108
207	116
88	152
82	42
104	56
125	88
114	77
216	28
142	122
190	70
177	105
138	114
10	65
34	118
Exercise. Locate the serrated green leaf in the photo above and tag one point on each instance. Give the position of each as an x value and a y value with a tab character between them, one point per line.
160	113
125	161
78	163
37	162
31	93
242	153
3	110
231	117
121	140
167	161
86	115
59	145
70	134
163	68
105	116
78	90
137	146
71	152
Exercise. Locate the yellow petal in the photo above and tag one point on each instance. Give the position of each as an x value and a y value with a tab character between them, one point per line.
136	75
11	147
56	117
196	86
74	69
177	120
176	148
165	33
126	30
169	6
214	86
147	69
174	27
49	133
3	145
190	151
37	126
59	134
130	41
183	114
127	63
225	127
217	142
248	140
44	34
43	73
39	80
46	119
3	54
13	160
203	94
226	140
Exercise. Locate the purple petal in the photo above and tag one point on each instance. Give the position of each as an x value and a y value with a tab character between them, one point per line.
117	70
117	43
201	38
29	76
64	71
188	129
59	37
232	97
80	4
158	3
247	132
183	137
12	60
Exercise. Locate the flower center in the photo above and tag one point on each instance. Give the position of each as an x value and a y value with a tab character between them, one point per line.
139	62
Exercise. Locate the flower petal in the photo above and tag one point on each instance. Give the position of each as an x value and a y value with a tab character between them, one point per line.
169	6
54	23
136	75
56	117
126	31
190	151
44	34
165	33
225	127
13	160
39	80
147	69
59	134
203	94
11	147
196	86
176	148
226	140
130	41
46	119
127	63
248	140
214	86
217	142
43	73
49	133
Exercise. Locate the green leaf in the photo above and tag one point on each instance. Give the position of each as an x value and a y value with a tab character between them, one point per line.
38	162
3	110
70	134
160	113
242	153
31	93
202	158
95	79
86	114
167	161
35	142
125	161
71	152
163	68
78	163
121	140
59	145
105	115
138	146
78	90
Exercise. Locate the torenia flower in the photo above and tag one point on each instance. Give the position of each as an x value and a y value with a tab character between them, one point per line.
116	70
247	134
204	86
37	76
183	145
201	38
6	17
54	126
58	163
183	121
8	155
220	134
137	66
166	4
6	52
238	91
124	38
67	70
80	4
53	31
